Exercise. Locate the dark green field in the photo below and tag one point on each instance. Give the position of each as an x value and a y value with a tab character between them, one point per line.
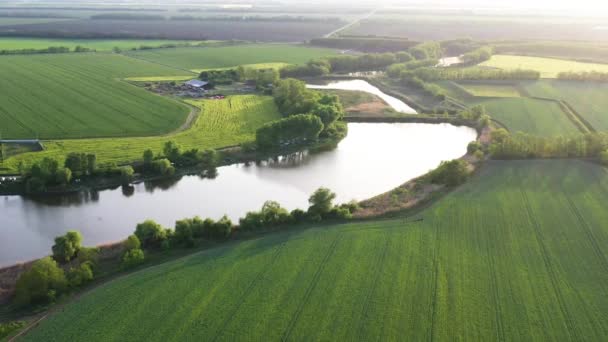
517	254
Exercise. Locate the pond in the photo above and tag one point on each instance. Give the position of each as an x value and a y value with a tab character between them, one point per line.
371	160
364	86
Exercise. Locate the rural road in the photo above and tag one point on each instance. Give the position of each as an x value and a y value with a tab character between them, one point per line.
355	21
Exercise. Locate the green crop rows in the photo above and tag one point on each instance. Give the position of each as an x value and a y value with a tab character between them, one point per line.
519	253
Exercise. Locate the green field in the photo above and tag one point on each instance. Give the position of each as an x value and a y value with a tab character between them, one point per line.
518	254
528	115
7	21
221	123
491	90
79	95
548	67
8	43
228	56
251	66
589	99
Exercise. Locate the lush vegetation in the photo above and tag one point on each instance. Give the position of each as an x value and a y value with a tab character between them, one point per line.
10	43
593	76
227	122
518	253
231	56
548	67
457	74
78	95
491	89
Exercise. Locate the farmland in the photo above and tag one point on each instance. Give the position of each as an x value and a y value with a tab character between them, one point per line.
229	56
491	90
587	98
221	123
518	253
8	43
78	95
532	116
548	67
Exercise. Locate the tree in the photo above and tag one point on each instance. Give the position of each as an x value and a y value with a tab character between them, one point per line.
132	242
126	175
41	283
150	233
64	176
184	232
163	167
321	202
148	158
172	151
133	257
77	162
450	173
91	163
80	275
67	246
88	254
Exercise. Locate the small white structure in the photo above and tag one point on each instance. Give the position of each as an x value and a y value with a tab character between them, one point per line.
198	84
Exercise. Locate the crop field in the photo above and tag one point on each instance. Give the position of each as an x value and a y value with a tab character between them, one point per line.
587	98
491	90
8	43
221	123
78	95
518	253
256	66
528	115
229	56
548	67
250	30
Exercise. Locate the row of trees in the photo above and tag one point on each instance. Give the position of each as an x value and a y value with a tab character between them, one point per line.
594	76
262	77
521	145
50	49
72	265
295	129
477	56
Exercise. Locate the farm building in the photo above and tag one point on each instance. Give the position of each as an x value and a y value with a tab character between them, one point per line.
197	84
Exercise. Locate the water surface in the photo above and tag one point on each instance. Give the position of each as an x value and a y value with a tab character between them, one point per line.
362	85
371	160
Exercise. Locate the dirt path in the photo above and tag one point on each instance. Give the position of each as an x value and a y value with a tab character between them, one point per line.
190	120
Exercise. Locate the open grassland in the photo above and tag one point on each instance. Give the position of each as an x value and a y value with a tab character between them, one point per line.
80	95
9	43
589	99
533	116
548	67
491	90
519	253
256	66
192	58
221	123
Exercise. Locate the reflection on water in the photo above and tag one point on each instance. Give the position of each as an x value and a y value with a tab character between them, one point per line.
372	159
362	85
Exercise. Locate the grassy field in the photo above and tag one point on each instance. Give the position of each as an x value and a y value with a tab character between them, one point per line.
228	56
221	123
79	95
548	67
587	98
491	90
527	115
251	66
8	43
519	253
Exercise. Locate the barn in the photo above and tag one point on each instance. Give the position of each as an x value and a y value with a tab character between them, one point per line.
197	84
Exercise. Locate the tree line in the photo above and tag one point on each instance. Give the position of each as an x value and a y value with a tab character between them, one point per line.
72	265
50	49
478	55
593	76
474	74
261	77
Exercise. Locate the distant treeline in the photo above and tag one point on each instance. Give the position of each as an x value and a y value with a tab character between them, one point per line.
98	9
365	44
126	16
475	74
33	15
477	56
594	76
259	18
50	49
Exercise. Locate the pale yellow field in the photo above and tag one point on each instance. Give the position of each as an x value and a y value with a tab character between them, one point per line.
548	67
253	66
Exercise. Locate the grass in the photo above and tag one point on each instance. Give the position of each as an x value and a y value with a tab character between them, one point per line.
587	98
160	78
548	67
491	90
8	43
519	253
80	95
229	56
227	122
528	115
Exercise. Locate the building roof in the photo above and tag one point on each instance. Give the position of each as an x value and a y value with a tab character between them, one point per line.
196	83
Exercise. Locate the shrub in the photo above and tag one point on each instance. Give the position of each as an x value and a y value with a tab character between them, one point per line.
132	258
450	173
66	246
321	202
150	234
41	283
126	175
80	275
298	216
7	329
132	242
473	147
88	254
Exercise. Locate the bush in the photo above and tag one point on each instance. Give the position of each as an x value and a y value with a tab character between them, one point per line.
321	202
41	283
80	275
132	258
450	173
272	214
150	234
66	246
88	254
126	175
473	147
7	329
132	242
